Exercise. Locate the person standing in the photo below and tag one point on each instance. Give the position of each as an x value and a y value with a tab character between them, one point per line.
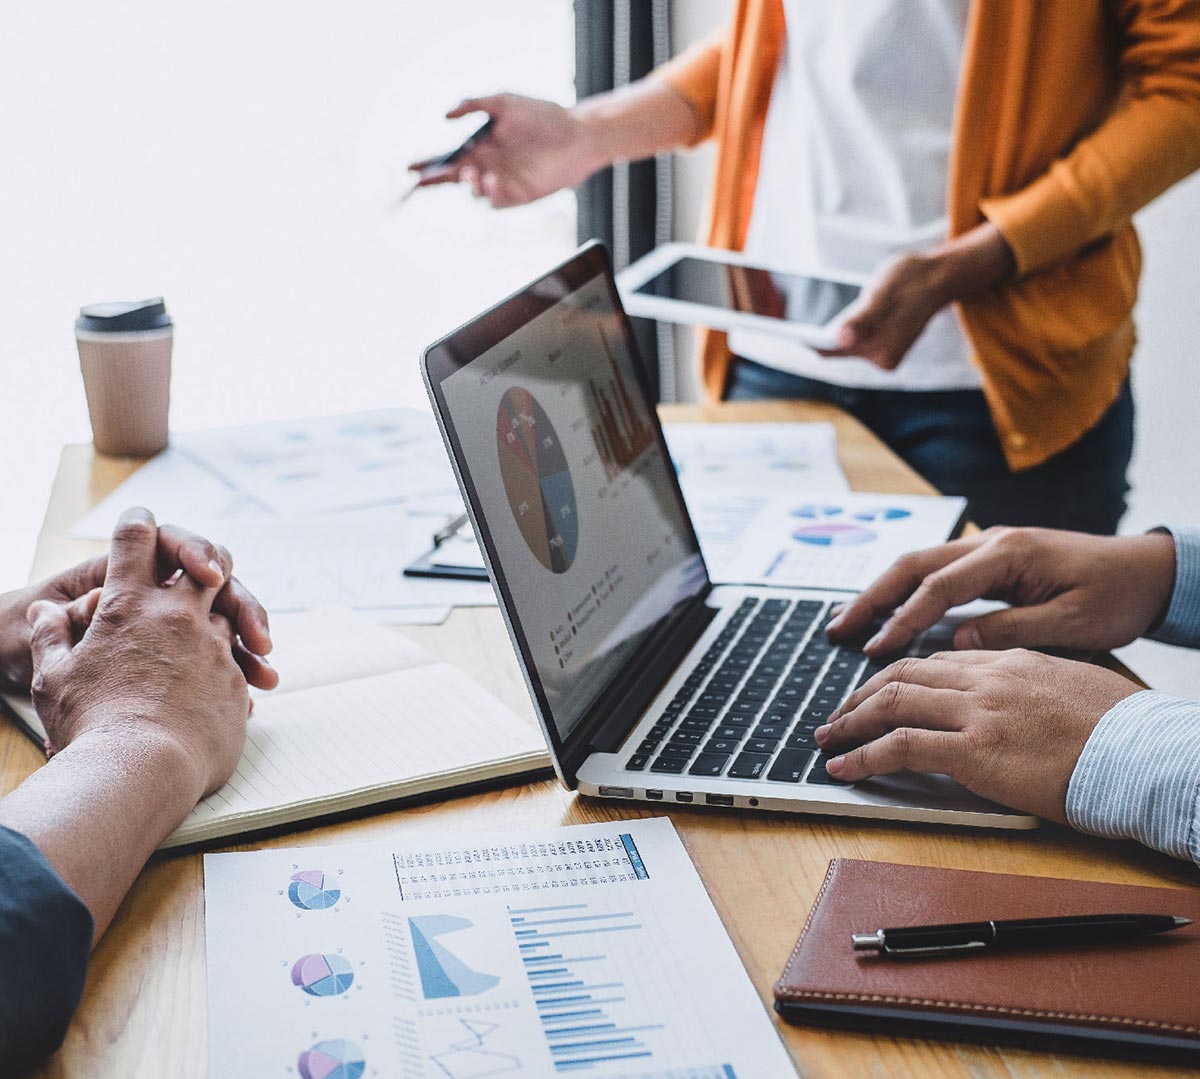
982	159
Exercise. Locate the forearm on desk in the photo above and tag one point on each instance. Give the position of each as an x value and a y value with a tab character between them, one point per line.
100	808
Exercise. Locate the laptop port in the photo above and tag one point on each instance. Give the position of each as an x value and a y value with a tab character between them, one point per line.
718	799
616	792
683	796
654	796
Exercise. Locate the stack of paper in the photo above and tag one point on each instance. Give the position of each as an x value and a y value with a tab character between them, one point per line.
317	511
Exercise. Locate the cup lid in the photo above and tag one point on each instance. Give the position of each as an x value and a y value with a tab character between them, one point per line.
121	316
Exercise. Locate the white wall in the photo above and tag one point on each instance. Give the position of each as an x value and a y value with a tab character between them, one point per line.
1165	475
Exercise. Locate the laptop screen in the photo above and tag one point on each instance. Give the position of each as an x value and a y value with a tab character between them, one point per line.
572	485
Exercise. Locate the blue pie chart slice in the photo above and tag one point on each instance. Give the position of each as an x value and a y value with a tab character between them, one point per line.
833	535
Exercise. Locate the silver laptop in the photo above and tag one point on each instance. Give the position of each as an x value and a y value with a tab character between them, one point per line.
651	682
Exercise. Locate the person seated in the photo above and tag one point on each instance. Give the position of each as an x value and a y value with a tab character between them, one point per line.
138	663
1067	740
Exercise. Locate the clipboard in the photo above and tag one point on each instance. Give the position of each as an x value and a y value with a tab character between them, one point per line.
454	555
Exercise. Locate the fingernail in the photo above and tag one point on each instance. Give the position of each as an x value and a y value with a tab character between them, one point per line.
835	765
835	621
970	637
822	732
215	566
874	641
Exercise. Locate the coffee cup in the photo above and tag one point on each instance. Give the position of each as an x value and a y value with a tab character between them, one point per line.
125	357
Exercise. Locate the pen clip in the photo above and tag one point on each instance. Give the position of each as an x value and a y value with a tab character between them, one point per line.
936	949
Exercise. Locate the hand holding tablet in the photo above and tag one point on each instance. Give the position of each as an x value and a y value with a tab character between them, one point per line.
726	291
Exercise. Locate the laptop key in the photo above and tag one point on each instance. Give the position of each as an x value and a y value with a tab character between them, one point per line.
727	731
721	745
637	762
687	738
770	730
649	745
669	765
708	764
819	775
762	745
790	765
676	749
802	739
749	765
737	719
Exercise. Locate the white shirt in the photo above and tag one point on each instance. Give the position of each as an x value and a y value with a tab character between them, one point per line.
854	166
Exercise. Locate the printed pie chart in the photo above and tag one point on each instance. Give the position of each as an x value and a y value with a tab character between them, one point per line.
322	975
813	512
312	890
834	535
883	513
337	1059
536	480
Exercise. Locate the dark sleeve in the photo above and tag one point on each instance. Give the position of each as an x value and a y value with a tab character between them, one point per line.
45	940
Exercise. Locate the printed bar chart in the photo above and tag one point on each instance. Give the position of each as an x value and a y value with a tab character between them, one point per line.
582	1009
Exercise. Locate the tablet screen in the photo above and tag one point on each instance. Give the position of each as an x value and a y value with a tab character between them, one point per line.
813	301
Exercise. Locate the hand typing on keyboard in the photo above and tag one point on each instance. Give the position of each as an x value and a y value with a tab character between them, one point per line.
1007	725
1067	590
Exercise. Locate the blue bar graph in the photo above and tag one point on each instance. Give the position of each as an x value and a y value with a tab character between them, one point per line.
573	1003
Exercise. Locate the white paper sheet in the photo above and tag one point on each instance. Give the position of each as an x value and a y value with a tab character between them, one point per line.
328	463
838	541
756	458
590	950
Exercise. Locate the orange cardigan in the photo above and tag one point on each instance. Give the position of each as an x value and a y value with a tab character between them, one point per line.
1071	116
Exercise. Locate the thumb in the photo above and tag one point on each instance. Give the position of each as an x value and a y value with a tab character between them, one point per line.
490	105
81	611
50	640
1014	627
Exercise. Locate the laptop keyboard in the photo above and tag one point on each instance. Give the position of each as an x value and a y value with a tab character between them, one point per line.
750	707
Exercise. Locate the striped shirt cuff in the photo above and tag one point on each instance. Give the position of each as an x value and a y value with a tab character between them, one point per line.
1138	776
1182	624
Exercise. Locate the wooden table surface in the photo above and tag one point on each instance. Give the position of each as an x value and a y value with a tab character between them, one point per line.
144	1013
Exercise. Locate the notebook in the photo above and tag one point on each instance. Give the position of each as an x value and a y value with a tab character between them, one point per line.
1136	999
362	716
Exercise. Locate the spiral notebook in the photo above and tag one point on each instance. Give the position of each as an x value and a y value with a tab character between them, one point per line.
362	716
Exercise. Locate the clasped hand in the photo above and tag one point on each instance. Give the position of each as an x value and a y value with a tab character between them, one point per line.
1009	725
155	642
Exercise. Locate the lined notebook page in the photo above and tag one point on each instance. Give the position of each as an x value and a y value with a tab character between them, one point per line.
318	648
400	732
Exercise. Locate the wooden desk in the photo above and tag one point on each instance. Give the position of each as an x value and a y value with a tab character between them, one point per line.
143	1011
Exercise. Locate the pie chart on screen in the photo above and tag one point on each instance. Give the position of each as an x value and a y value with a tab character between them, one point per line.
537	480
311	889
834	535
337	1059
323	975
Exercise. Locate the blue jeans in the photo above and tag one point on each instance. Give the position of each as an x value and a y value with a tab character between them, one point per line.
948	437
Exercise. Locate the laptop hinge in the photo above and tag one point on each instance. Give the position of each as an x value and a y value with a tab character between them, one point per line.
628	709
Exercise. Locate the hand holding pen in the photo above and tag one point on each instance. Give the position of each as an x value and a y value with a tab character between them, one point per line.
526	149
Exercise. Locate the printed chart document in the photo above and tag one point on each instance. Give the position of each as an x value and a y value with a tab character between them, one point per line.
592	950
320	511
840	540
759	458
361	716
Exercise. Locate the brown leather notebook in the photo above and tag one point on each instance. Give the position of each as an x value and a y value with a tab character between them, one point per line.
1138	999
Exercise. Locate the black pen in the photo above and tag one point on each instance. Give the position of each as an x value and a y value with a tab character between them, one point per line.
449	157
967	937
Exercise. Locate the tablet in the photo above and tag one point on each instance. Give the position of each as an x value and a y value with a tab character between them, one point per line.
725	290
